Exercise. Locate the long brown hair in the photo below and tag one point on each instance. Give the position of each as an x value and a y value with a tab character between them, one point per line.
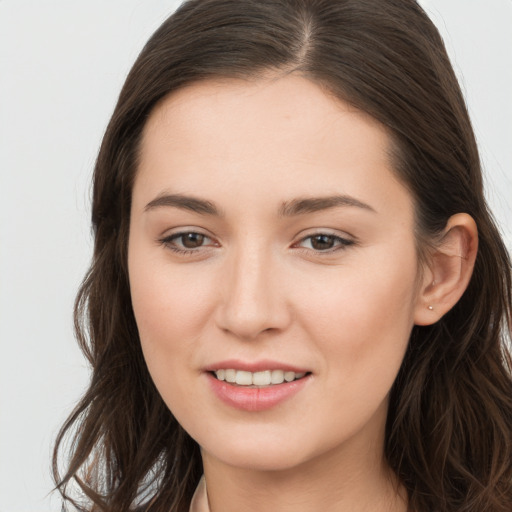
449	428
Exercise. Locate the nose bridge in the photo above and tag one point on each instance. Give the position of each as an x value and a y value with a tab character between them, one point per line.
252	301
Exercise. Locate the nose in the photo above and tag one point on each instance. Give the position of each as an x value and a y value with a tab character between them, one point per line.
253	296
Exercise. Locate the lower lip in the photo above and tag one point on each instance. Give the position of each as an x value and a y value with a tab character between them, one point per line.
255	399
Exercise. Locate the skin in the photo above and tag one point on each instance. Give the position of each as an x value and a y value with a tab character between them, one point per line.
257	286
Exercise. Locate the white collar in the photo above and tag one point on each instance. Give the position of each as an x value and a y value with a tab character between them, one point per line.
199	501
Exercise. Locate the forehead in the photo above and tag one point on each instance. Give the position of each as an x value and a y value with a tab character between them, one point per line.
274	136
288	107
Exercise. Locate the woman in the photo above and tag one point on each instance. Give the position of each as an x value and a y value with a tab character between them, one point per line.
297	289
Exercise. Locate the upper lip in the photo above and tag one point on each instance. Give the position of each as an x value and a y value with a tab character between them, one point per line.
254	366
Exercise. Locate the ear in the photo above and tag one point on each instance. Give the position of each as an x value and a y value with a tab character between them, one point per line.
448	271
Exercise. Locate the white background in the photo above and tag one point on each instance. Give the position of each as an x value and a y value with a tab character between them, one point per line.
62	64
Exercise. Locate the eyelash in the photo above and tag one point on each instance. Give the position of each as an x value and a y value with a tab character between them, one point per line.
170	242
339	243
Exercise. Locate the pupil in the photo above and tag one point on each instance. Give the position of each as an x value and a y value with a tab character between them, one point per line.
322	242
192	240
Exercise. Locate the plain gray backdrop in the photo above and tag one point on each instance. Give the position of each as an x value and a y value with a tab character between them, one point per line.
62	64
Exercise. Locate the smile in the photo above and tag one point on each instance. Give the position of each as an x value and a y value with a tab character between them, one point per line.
261	378
256	391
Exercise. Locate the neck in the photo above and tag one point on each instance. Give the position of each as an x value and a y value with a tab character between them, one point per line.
348	479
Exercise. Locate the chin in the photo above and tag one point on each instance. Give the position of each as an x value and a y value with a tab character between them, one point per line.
276	451
258	459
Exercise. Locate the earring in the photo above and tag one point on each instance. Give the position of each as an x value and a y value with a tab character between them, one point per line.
431	308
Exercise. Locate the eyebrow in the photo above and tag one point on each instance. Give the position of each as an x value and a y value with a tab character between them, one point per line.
291	208
301	206
193	204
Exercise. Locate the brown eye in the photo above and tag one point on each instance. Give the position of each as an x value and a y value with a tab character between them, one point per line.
186	242
192	240
322	242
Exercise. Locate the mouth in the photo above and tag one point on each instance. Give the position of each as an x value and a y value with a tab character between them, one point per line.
265	378
259	386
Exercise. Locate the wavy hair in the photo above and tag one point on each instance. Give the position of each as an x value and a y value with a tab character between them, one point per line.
449	426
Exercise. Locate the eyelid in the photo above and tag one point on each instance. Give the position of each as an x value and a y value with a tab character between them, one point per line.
344	240
341	240
168	240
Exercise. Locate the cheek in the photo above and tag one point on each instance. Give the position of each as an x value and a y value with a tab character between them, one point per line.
166	322
363	314
167	299
170	308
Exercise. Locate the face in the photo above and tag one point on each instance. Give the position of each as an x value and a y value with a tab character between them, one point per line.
273	270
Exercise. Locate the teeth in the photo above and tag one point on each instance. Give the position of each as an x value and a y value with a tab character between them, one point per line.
261	378
289	376
230	375
264	378
243	378
277	376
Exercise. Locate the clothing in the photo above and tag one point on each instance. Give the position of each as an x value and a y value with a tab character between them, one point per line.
199	501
